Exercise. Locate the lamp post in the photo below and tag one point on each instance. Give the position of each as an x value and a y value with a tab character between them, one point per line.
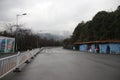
17	25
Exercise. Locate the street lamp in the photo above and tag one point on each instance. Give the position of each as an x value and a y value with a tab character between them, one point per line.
17	25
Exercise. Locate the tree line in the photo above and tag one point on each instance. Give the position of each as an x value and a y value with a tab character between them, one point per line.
104	26
26	39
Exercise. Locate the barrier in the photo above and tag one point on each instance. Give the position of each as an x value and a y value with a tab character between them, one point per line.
10	63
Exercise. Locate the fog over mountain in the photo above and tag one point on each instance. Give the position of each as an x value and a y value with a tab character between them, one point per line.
55	35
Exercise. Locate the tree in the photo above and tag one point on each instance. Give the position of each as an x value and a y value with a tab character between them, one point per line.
103	26
77	31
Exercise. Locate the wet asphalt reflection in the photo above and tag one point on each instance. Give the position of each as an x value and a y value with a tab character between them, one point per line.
62	64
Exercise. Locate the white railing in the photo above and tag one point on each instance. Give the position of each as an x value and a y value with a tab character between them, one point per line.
10	63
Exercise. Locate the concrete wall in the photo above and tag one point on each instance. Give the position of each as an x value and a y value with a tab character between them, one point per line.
114	48
103	48
93	48
83	47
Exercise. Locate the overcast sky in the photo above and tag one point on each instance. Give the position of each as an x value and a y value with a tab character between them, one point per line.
53	15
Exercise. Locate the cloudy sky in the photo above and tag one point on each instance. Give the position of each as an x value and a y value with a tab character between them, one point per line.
52	15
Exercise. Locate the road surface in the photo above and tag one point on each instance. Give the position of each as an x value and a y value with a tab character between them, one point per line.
61	64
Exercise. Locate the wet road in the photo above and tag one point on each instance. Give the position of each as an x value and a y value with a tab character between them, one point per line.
61	64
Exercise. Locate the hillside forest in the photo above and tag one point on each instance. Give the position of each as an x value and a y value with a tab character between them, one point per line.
104	26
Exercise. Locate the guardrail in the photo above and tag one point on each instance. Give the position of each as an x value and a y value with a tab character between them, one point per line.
10	63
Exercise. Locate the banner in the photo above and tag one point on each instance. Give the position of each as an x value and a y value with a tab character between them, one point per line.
7	45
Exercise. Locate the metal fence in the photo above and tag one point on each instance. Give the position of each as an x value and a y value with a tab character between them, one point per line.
10	63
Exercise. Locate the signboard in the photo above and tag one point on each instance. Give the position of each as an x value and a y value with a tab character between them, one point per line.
7	44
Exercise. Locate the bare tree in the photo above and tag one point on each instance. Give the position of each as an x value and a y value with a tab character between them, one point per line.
9	28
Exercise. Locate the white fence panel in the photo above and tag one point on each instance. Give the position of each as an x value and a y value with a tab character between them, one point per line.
10	63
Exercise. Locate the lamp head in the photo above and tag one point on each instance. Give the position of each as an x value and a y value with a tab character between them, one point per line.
24	14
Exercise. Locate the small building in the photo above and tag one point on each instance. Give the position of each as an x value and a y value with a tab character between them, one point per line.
104	47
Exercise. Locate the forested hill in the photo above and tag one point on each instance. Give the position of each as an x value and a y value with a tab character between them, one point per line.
103	26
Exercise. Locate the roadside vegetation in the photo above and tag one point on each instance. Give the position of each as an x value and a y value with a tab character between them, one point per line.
104	26
26	38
